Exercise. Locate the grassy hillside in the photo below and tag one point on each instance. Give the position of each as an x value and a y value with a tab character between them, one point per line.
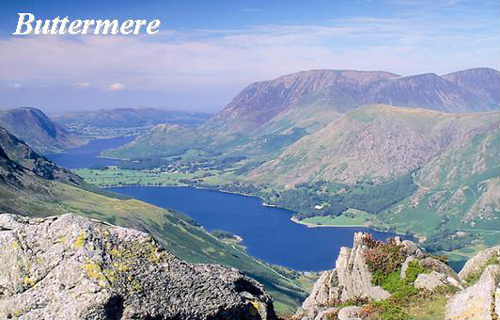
375	142
458	191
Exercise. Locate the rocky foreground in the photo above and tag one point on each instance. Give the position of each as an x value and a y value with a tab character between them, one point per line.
396	280
70	267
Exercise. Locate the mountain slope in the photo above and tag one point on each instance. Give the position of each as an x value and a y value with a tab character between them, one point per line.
483	82
372	142
20	153
261	101
429	91
458	189
38	130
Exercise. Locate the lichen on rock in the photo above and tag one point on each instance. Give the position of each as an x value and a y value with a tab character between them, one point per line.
101	271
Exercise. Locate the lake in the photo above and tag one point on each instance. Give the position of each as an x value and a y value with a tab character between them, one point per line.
88	155
267	232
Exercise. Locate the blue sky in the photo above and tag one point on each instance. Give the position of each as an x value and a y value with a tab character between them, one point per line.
207	51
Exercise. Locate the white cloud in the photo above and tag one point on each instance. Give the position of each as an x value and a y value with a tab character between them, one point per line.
116	86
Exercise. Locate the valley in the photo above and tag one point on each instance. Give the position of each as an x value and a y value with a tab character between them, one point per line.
285	174
315	143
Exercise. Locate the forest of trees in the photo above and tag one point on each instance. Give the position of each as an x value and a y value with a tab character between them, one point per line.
334	198
448	240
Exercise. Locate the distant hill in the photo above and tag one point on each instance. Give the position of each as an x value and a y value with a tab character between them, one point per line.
131	117
16	151
38	130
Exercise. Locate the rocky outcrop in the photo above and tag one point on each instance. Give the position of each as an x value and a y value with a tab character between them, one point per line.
476	264
481	300
70	267
350	279
477	301
350	283
349	313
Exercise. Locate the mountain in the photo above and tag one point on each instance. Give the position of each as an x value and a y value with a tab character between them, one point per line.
483	82
344	90
131	117
35	187
38	130
70	267
268	116
457	189
260	102
414	170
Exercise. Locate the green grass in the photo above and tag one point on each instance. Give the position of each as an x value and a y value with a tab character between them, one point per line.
114	177
349	218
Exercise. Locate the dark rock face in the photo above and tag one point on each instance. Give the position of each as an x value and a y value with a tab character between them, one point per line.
70	267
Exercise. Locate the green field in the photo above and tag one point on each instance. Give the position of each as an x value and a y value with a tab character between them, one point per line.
350	218
114	177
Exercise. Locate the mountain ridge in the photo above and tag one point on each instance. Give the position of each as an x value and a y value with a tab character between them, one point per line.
307	101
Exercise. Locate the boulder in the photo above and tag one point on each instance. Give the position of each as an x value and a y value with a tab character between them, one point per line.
477	301
354	278
430	281
412	248
477	263
439	266
325	290
497	301
328	314
70	267
349	313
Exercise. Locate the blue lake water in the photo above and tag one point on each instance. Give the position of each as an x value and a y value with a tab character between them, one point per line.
267	232
88	155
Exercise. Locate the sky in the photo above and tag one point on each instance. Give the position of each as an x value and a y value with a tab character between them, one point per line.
207	51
